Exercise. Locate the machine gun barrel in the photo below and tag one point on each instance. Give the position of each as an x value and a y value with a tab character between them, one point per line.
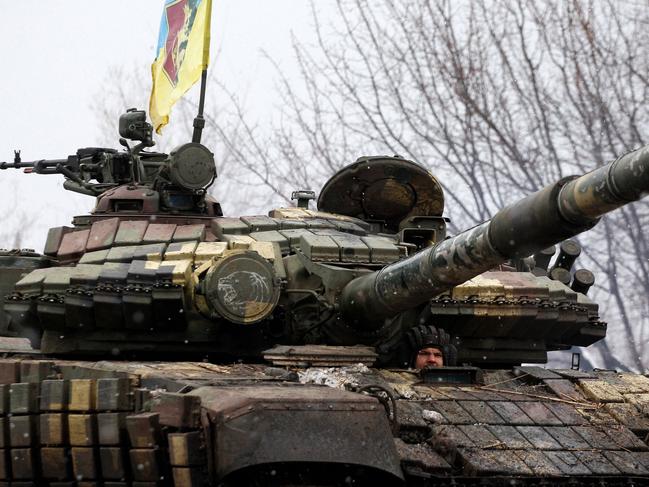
556	212
43	166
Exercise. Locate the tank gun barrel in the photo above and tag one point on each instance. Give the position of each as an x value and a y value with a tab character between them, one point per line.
556	212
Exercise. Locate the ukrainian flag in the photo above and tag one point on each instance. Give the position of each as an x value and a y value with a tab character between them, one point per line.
182	54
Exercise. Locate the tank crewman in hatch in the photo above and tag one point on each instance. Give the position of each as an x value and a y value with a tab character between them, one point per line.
429	356
431	347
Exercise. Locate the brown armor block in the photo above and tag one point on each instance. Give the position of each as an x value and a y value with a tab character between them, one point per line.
511	413
83	393
626	462
4	433
538	413
177	410
23	398
567	437
36	370
455	393
454	435
513	463
416	455
142	399
535	372
55	463
566	413
84	462
53	241
102	234
538	437
188	477
564	389
4	398
112	428
480	462
114	395
510	436
596	463
145	464
480	435
159	232
625	439
4	465
596	438
54	395
73	245
453	412
538	462
9	371
82	429
53	429
567	463
481	412
113	464
23	431
186	449
144	430
23	463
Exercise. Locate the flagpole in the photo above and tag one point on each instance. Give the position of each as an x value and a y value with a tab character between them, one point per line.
199	121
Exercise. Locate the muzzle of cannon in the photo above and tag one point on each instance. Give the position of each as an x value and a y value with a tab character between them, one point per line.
540	220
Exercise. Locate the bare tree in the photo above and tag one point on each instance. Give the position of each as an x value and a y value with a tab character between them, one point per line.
497	98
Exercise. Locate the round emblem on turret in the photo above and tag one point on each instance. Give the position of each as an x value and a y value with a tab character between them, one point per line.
242	287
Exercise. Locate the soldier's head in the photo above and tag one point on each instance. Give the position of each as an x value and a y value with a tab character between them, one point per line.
429	356
430	347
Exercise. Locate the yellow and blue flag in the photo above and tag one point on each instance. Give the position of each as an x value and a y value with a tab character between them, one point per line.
182	54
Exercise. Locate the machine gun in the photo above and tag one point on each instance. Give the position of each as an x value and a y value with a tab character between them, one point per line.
94	170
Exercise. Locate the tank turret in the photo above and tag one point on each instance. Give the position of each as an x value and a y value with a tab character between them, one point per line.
155	268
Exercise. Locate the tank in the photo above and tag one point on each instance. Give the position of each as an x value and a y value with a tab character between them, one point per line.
156	342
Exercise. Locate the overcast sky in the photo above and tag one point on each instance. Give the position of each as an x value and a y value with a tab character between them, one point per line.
59	53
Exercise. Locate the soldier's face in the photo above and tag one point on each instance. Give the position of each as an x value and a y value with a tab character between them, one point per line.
429	357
